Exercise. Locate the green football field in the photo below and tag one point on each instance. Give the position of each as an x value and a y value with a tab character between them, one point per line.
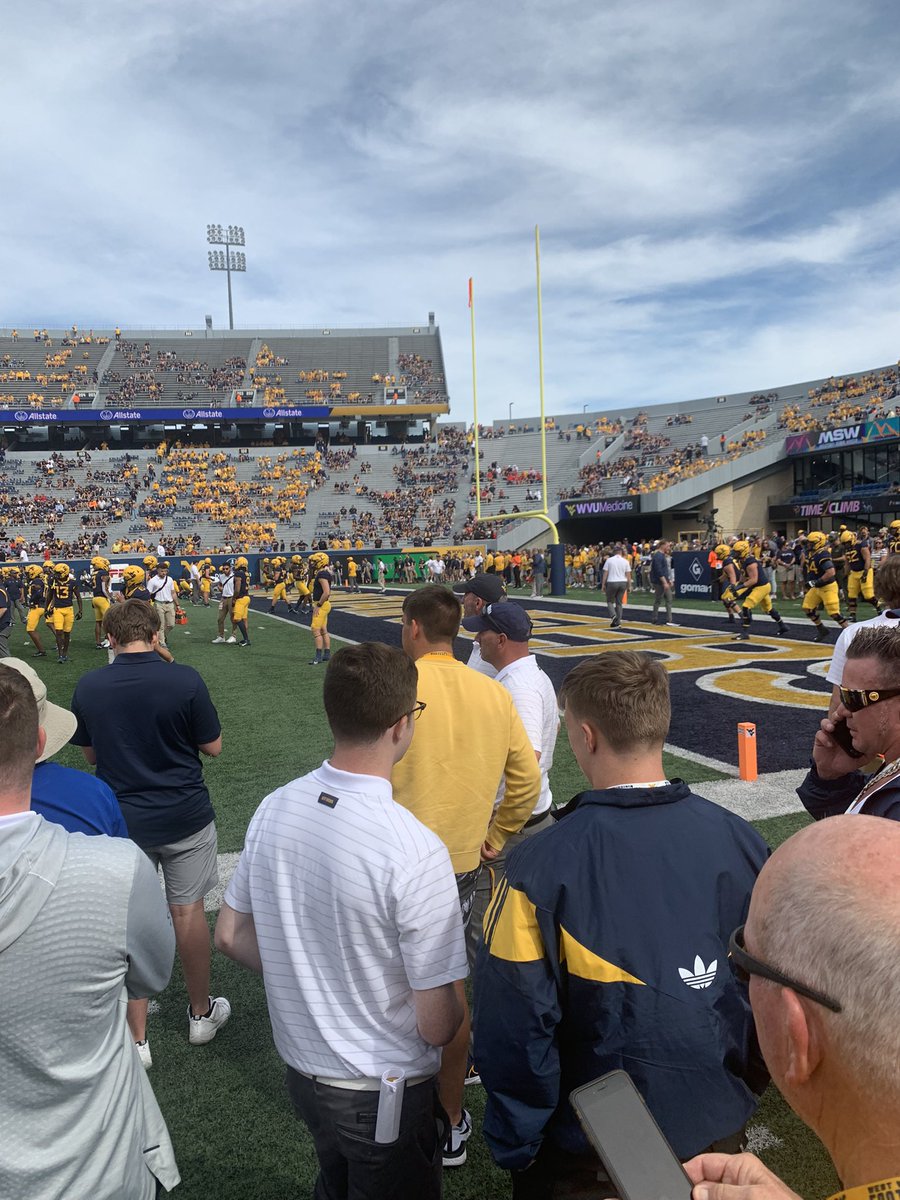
225	1104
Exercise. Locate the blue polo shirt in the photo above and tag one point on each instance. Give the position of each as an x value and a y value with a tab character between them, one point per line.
76	800
145	719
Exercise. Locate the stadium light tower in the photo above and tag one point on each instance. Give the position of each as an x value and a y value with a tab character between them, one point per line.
227	260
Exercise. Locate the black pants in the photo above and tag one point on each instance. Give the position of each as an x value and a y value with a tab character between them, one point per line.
556	1175
352	1165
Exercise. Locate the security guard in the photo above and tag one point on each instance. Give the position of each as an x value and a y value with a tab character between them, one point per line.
62	596
99	597
858	549
37	601
821	581
752	590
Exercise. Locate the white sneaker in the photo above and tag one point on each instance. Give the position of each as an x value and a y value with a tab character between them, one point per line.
232	641
105	643
143	1049
218	641
204	1029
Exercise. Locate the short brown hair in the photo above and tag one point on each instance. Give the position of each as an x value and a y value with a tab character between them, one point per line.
368	688
882	643
19	722
437	610
625	694
131	621
887	581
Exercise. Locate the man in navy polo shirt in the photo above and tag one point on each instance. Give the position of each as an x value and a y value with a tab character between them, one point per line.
144	723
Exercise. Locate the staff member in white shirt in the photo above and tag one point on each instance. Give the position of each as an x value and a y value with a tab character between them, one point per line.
225	605
502	632
347	905
616	582
163	592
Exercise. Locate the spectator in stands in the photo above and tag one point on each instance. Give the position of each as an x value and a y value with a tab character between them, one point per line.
471	734
100	1130
819	948
373	980
166	719
870	707
544	980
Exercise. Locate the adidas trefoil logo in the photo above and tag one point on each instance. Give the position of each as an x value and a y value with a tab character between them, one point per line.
700	977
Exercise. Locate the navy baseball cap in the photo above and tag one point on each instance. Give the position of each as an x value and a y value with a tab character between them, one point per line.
508	618
487	587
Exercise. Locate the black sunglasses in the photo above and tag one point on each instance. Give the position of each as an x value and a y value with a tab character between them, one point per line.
745	965
855	700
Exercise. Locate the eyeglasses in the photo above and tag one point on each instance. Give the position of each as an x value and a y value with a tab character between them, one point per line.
855	700
417	711
745	965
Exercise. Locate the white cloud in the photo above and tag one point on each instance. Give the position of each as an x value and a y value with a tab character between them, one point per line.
716	187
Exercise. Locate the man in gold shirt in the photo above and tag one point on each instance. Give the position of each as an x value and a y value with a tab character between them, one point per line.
820	949
468	739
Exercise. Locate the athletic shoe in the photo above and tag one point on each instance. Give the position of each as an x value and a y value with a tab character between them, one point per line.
232	641
39	654
143	1049
204	1029
218	641
315	662
244	643
454	1150
615	625
97	646
60	659
743	636
783	630
822	634
472	1075
105	643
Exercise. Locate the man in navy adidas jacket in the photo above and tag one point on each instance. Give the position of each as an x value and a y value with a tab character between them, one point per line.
607	947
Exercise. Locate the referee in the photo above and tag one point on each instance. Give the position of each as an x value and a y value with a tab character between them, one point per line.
163	592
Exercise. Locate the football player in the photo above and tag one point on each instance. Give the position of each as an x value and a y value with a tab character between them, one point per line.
728	578
240	604
37	601
62	596
99	597
279	582
321	606
753	589
894	537
858	550
821	582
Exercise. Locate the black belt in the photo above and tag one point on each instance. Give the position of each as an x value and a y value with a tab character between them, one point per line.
537	819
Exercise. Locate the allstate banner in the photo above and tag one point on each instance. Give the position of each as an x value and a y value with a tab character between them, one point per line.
693	580
151	416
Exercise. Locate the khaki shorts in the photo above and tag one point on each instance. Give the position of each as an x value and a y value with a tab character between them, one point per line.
189	867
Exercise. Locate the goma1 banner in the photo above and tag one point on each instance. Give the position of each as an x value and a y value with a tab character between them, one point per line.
693	580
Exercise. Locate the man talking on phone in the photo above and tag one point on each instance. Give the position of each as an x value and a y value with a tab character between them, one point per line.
868	720
606	948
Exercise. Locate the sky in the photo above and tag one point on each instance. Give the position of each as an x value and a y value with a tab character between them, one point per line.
717	186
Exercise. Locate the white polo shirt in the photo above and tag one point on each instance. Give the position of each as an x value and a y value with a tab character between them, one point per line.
536	704
839	658
355	905
617	569
164	590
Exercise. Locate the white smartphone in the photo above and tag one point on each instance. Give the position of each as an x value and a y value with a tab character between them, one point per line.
630	1144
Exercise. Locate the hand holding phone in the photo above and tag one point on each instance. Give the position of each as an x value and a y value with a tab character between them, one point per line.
631	1145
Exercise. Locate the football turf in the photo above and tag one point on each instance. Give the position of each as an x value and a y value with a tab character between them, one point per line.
234	1134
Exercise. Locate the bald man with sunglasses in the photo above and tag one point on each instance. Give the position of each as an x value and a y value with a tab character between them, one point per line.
819	951
864	726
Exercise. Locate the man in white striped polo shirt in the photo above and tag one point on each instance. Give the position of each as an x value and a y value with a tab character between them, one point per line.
348	906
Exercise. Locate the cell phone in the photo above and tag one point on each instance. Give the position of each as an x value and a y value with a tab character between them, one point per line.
630	1144
842	736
